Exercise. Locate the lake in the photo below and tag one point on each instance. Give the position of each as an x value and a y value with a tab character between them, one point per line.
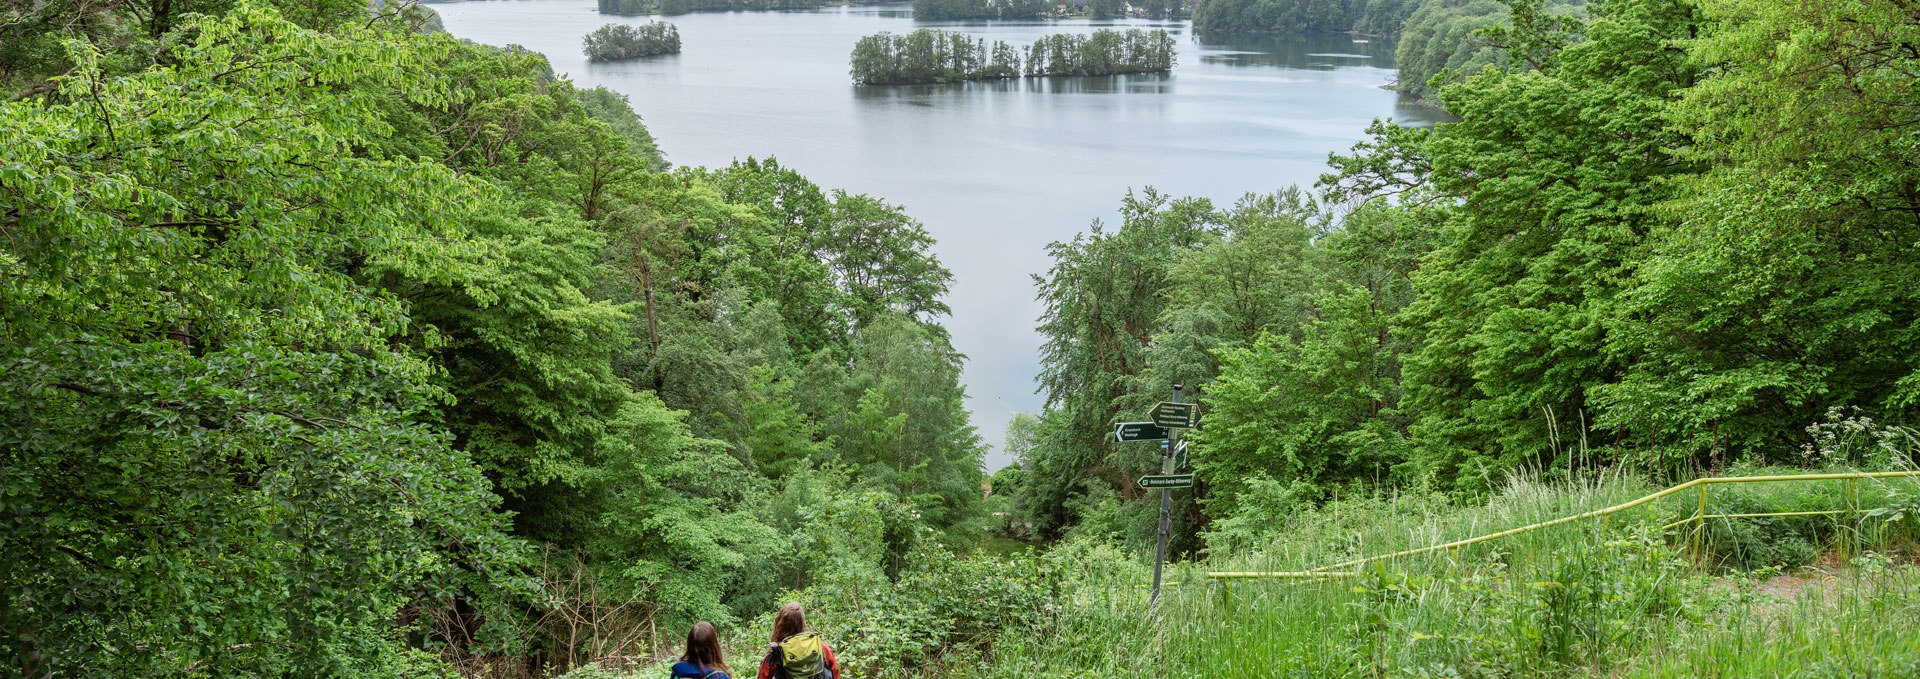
995	170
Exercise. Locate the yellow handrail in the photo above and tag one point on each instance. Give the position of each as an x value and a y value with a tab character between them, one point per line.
1347	568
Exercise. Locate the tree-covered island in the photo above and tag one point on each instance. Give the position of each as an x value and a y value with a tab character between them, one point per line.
614	42
935	56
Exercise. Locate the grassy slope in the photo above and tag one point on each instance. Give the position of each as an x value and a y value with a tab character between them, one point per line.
1623	599
1803	596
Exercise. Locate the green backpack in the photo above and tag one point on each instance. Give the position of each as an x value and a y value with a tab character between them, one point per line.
801	657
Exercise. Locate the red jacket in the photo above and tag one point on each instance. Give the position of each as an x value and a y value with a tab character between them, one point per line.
826	653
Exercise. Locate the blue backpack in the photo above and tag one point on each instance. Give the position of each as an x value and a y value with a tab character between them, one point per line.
687	670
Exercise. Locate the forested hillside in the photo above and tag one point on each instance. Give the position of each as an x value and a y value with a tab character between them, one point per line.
329	342
331	345
1371	17
1655	237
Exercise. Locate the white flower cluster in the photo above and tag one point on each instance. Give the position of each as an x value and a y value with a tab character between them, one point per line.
1849	436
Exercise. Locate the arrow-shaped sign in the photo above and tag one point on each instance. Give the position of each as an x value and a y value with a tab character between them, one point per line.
1166	481
1139	431
1170	415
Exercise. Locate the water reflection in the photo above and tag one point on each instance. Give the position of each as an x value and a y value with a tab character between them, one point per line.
1318	52
922	95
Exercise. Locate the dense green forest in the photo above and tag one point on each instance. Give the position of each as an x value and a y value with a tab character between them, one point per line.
614	42
964	10
1432	36
934	56
329	341
1643	243
634	7
331	345
1459	37
1371	17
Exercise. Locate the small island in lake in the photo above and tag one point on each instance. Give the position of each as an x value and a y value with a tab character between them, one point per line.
935	56
614	42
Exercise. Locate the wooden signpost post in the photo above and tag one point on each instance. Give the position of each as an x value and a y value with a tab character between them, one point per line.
1169	418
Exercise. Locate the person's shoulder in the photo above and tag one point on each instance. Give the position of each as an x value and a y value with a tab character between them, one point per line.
687	669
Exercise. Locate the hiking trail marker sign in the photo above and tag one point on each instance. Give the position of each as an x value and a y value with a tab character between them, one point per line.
1152	481
1176	415
1138	431
1169	419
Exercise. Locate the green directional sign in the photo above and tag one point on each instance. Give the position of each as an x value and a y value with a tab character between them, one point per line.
1139	431
1166	481
1176	414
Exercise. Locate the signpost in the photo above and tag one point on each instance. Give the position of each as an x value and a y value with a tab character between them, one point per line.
1139	431
1166	470
1166	481
1169	417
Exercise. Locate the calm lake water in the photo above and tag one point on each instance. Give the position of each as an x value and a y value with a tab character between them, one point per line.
996	170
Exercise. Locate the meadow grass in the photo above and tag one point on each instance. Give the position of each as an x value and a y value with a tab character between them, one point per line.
1628	596
1619	598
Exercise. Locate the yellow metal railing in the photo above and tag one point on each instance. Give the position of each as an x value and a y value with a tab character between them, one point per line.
1698	519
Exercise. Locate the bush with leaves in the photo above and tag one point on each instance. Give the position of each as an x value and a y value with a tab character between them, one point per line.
219	447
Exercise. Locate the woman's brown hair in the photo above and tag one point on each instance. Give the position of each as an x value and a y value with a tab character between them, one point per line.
703	647
789	621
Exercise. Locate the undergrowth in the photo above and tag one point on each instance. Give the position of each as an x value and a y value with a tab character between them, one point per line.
1634	595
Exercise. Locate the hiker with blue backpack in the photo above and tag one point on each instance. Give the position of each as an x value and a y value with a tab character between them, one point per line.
702	660
797	652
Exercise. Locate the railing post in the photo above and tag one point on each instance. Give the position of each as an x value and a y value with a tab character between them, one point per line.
1226	596
1700	520
1853	512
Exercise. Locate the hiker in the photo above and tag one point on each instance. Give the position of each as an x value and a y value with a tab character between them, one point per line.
797	652
702	660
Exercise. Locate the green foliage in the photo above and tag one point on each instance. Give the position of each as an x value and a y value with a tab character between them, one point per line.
966	10
1780	288
293	316
1445	41
614	42
632	7
1104	52
219	445
1575	600
931	56
1103	298
613	109
1555	173
1373	17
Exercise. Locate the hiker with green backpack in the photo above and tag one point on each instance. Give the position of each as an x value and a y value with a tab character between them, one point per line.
797	652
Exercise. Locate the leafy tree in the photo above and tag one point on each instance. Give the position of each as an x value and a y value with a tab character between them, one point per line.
219	446
1554	171
1104	297
1784	282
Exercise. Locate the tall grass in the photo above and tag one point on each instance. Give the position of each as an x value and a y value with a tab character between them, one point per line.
1623	597
1614	598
